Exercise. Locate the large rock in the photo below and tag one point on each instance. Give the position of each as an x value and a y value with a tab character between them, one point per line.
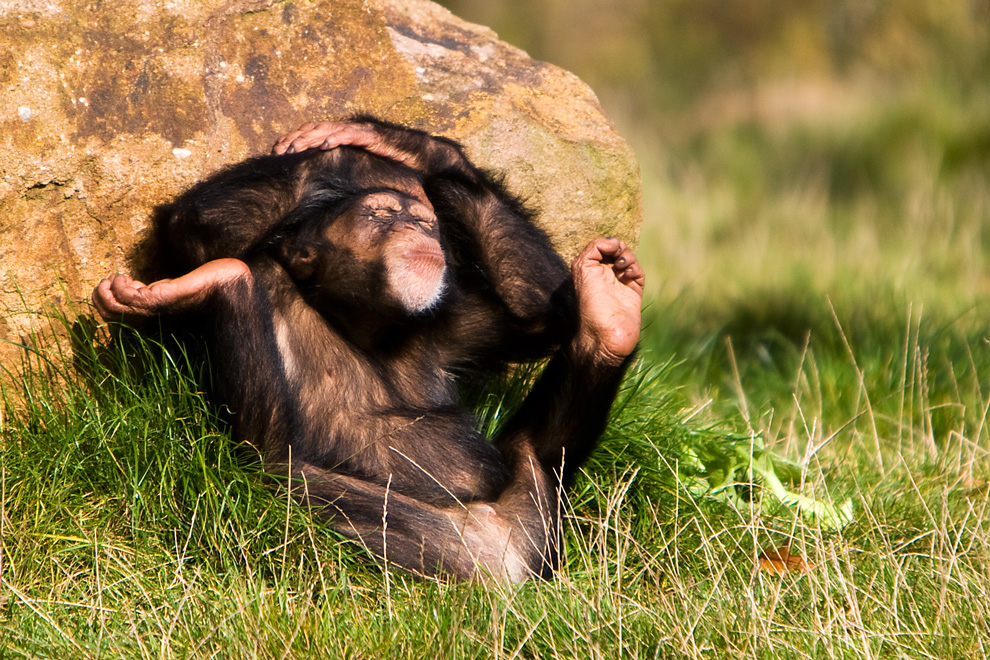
109	109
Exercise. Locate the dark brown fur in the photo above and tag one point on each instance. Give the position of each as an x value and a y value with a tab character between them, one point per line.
352	399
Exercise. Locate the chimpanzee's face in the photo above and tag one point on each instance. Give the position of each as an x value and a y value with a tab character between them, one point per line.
395	236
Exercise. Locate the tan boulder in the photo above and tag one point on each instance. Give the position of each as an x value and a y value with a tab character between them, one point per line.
109	109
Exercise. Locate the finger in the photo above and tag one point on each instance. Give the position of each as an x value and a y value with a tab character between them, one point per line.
297	143
614	249
298	140
97	297
282	143
597	251
633	274
324	136
106	305
101	288
352	135
125	289
632	271
119	281
625	261
625	258
610	247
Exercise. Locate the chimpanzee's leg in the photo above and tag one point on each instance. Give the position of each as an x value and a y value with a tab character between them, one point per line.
516	536
506	540
120	297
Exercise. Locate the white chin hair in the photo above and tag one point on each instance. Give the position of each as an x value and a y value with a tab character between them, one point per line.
418	286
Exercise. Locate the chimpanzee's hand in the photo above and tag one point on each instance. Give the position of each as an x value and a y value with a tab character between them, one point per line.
330	135
119	296
609	283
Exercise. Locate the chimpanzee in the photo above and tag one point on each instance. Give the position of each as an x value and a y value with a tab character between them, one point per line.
352	280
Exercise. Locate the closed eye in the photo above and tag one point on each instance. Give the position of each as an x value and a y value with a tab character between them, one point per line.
381	213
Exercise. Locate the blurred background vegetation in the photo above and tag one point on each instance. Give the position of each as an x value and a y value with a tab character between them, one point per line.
815	174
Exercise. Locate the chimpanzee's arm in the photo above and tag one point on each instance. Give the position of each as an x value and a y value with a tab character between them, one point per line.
567	409
415	149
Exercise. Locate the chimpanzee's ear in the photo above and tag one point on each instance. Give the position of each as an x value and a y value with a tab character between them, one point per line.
300	261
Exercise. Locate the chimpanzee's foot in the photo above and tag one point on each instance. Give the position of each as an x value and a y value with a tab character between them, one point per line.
119	296
609	283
